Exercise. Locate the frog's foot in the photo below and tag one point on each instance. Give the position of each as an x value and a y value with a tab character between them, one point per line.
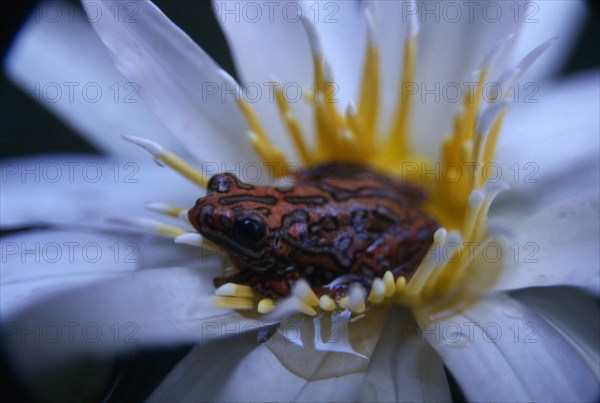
273	286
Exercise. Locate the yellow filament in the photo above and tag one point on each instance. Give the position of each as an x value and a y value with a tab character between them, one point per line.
258	138
185	169
369	97
292	126
398	138
492	138
171	231
233	303
167	209
235	290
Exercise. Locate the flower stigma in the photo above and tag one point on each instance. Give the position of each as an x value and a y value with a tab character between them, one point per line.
455	270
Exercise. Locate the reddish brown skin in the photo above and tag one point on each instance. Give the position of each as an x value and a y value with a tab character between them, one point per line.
336	220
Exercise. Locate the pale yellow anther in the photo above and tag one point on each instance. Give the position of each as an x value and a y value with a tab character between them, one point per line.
171	231
303	292
306	309
190	238
377	293
235	290
326	303
344	302
265	305
390	285
400	285
233	303
358	307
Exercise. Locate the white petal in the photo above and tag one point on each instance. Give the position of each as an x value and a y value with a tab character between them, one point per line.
38	264
500	350
542	20
177	80
392	18
82	190
302	373
58	59
549	144
404	367
579	327
143	308
272	48
450	49
558	246
269	44
342	28
242	372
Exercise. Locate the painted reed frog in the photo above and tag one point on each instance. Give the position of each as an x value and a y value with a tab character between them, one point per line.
338	224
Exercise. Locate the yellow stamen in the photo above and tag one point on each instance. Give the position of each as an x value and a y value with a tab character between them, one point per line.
400	285
390	286
399	136
167	209
344	302
151	226
256	134
235	290
233	303
190	238
265	305
369	95
293	127
170	159
305	294
326	303
377	293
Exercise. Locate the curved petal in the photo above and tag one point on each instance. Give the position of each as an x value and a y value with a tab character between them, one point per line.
453	41
149	307
243	372
177	80
40	263
580	331
404	368
85	191
542	20
272	47
558	246
525	357
458	36
230	365
58	59
549	145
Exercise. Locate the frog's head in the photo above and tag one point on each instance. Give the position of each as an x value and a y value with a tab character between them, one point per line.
232	215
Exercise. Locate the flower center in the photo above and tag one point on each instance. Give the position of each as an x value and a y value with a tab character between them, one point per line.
458	266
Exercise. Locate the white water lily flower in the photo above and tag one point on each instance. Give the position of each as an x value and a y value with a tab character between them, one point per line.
531	344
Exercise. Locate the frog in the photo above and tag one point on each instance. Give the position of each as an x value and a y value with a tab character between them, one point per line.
333	225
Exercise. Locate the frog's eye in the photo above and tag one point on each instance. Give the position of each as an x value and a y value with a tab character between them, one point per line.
248	232
221	183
